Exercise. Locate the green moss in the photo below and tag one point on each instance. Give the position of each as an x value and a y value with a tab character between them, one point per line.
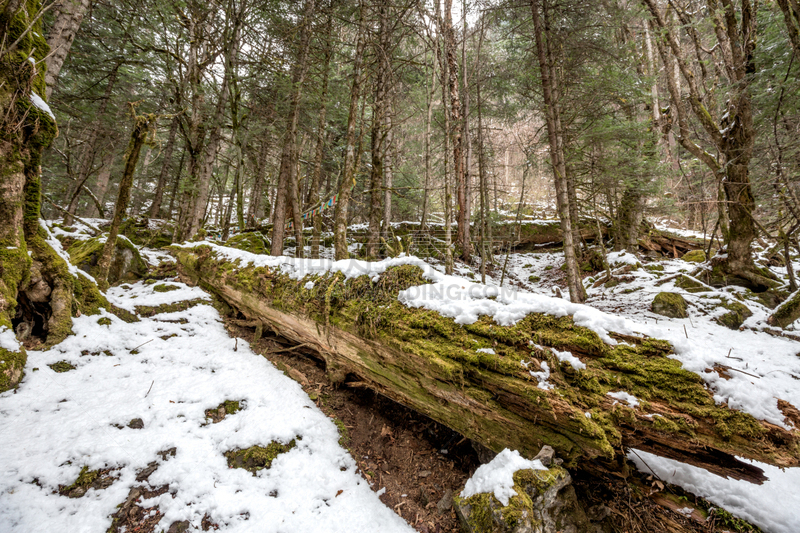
534	279
62	366
84	480
669	304
163	287
690	285
654	268
105	321
12	364
695	256
736	315
251	241
486	514
174	307
257	458
344	434
127	264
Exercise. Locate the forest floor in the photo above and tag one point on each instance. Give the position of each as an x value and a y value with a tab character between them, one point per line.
138	427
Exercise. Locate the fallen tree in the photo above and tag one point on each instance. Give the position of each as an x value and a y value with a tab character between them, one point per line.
429	363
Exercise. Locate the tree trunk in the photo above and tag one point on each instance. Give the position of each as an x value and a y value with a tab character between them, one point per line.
388	176
141	129
287	175
455	132
87	158
255	210
576	291
155	207
313	198
68	17
349	167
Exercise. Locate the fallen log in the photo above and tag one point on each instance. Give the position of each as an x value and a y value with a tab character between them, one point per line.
431	364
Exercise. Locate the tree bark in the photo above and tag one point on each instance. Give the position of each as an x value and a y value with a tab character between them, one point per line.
349	167
576	291
287	177
68	17
90	146
166	166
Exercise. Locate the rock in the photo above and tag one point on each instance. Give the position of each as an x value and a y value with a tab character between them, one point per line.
179	527
250	241
736	316
546	455
787	312
690	285
669	304
424	473
695	256
136	423
545	503
446	503
126	265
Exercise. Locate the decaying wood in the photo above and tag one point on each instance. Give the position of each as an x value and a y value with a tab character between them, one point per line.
367	338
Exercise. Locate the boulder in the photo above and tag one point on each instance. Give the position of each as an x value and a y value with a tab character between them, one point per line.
126	265
694	256
787	313
736	315
251	241
669	304
545	503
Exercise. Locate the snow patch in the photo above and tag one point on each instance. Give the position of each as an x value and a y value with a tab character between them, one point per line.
497	476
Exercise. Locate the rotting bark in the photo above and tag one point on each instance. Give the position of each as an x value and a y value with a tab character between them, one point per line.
427	362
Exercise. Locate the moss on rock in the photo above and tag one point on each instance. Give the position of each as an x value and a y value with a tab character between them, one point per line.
736	315
257	458
544	502
12	364
126	265
62	366
694	256
669	304
251	241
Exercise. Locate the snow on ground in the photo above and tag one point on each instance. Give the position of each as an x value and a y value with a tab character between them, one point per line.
167	370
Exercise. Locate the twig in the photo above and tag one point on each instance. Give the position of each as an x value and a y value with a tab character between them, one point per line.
685	332
151	340
151	388
288	349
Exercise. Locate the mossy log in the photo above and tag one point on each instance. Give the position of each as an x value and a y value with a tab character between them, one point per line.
431	364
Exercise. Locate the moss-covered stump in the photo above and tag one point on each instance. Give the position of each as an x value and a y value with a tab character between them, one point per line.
669	304
736	315
545	503
431	364
694	256
787	313
250	241
126	265
257	458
